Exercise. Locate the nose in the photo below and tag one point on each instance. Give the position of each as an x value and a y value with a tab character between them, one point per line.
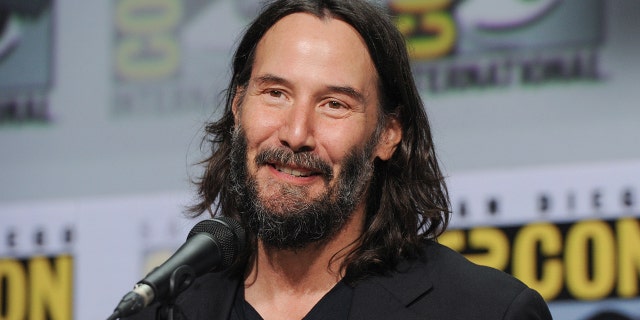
297	131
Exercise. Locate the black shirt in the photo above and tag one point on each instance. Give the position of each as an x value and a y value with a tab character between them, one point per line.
334	305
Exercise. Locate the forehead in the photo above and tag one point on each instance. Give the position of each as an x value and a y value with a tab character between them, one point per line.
319	48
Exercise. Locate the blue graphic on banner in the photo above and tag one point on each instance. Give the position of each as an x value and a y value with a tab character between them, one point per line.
26	46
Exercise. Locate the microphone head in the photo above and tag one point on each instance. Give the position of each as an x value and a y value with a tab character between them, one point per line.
229	234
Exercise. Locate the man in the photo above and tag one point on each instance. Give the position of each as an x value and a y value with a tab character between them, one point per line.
324	154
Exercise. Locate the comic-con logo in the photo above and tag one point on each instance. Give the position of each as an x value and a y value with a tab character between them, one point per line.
36	280
480	44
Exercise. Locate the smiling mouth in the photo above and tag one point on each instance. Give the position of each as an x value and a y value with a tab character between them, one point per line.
298	165
300	173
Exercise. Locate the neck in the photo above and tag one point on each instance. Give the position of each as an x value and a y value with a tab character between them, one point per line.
301	276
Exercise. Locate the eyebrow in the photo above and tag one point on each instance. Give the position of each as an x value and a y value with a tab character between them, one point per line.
346	90
349	91
270	78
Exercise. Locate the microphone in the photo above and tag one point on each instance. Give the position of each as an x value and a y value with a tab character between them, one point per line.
212	245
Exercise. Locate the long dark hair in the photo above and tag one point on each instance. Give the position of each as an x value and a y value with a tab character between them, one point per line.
407	201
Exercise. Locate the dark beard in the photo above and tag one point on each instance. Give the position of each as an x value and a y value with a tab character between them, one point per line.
293	220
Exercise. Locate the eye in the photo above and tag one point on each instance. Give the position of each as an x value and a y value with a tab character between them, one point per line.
335	108
274	97
275	93
335	105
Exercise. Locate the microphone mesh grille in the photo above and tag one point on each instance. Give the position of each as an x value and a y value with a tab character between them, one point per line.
228	234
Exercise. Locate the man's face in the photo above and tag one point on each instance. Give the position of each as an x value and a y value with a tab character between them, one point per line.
306	127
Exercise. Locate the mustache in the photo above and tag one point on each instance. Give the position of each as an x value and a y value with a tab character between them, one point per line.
286	157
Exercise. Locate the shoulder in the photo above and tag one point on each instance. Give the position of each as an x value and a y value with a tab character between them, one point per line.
465	289
450	268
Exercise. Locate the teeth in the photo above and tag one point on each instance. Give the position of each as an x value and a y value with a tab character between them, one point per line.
292	172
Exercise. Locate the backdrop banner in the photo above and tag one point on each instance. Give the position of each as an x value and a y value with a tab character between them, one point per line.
571	233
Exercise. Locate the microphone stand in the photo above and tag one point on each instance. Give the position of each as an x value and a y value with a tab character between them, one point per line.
180	280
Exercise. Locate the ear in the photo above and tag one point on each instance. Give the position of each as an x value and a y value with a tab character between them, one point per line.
235	105
389	139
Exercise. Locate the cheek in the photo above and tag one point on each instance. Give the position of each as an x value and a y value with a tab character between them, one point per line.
338	141
258	127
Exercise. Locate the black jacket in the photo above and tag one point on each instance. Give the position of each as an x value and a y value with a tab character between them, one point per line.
441	285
